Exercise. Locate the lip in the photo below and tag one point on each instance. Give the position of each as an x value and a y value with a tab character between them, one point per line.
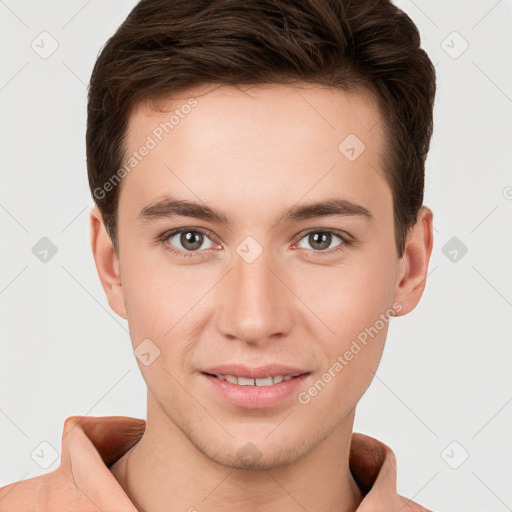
255	372
255	397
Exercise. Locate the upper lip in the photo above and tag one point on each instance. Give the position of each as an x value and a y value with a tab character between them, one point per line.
255	372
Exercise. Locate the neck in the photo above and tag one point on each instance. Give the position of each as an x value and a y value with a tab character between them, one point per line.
165	471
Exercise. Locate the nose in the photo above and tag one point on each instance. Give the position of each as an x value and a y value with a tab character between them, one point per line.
256	306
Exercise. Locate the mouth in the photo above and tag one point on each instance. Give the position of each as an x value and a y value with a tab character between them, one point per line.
263	382
255	387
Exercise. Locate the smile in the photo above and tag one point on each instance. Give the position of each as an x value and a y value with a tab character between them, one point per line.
244	381
255	393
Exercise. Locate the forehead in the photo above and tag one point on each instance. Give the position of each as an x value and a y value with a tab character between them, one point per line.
262	111
226	142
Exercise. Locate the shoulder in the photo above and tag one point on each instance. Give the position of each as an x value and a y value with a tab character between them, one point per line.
25	494
33	494
20	495
82	480
411	506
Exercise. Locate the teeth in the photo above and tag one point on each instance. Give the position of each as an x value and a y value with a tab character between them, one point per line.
264	382
244	381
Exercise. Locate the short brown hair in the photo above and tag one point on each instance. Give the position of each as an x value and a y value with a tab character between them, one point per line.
168	46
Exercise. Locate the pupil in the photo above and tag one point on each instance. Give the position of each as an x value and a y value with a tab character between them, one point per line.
187	240
323	238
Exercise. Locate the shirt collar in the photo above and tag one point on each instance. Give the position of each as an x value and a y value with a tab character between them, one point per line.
90	445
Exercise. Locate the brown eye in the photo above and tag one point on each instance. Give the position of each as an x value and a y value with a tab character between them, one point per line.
321	240
191	240
187	240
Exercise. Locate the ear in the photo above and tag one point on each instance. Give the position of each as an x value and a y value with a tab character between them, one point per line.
107	263
413	270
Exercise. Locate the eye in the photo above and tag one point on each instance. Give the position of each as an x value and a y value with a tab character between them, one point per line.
320	241
186	241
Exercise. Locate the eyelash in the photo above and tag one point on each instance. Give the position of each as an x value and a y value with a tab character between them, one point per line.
345	241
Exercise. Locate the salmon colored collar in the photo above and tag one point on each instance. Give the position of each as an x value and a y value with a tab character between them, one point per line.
90	445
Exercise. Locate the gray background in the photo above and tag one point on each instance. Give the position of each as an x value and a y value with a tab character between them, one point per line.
443	390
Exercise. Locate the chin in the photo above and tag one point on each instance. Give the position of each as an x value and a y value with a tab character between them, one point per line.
250	458
259	454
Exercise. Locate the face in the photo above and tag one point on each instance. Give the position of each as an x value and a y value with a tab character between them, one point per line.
258	233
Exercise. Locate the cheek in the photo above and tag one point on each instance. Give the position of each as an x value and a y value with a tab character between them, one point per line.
357	309
350	298
164	302
356	304
148	293
157	316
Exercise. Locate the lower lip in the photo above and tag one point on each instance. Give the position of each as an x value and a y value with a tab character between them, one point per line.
255	397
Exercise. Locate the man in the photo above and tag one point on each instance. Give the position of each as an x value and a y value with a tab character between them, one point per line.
258	172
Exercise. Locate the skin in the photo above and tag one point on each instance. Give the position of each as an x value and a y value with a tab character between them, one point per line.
253	153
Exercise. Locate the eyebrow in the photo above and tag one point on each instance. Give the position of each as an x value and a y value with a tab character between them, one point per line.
169	207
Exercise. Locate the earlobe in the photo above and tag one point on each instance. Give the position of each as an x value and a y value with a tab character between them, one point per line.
107	263
414	262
